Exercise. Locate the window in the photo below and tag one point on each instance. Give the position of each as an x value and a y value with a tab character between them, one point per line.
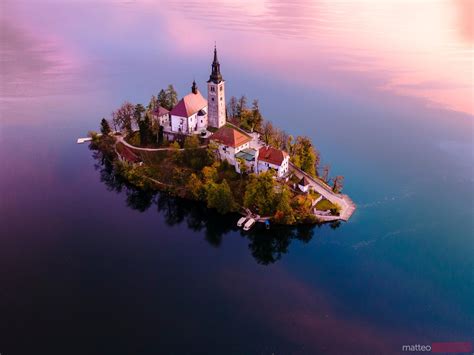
221	88
212	98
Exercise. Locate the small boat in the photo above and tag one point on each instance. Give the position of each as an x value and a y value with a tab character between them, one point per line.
267	224
249	224
241	221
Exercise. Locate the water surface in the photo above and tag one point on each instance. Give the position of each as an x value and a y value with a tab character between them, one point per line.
384	89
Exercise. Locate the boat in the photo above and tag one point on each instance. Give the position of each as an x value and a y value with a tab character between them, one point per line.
249	224
241	221
267	224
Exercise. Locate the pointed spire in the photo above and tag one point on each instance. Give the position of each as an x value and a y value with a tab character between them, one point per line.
216	76
194	88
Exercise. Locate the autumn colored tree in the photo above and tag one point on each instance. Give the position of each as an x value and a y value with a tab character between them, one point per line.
122	117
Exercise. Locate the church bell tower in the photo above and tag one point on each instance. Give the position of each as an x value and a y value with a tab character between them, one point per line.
216	95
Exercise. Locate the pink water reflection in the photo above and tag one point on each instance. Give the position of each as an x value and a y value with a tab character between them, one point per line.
414	48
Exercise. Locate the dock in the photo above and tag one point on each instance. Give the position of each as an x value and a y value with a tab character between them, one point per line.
83	140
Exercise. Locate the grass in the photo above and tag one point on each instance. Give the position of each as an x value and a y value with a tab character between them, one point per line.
325	205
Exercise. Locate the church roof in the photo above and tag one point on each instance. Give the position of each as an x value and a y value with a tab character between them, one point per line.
230	136
189	105
272	155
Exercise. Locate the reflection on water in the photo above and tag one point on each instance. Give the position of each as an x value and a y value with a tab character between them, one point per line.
266	246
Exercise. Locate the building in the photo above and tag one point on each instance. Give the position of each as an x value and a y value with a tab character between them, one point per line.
216	95
272	158
249	157
304	184
162	117
189	116
230	141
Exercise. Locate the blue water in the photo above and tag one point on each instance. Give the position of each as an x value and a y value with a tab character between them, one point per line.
87	269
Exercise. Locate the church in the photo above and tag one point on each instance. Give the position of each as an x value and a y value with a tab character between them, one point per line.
193	114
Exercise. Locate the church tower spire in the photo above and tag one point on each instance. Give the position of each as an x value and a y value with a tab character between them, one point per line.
216	75
216	95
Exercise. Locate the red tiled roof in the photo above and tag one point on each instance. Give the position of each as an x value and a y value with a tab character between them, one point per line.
230	136
272	155
189	105
160	111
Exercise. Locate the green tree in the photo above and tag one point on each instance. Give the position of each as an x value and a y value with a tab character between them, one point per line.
138	112
191	142
163	99
175	151
260	193
305	156
172	97
105	127
219	196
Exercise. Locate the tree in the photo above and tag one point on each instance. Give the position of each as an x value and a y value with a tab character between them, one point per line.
257	117
172	97
213	153
305	156
153	104
241	106
137	113
325	175
104	127
232	107
242	166
338	183
284	212
175	147
144	126
163	99
195	188
260	193
219	196
267	132
209	173
191	142
122	117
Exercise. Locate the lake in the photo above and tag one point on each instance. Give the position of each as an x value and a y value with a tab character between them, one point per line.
383	88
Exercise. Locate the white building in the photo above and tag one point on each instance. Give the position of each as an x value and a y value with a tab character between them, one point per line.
272	158
189	116
230	141
216	95
162	117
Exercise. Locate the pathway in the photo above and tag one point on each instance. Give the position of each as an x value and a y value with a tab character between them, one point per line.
346	204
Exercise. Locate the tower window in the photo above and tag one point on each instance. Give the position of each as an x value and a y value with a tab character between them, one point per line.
221	88
212	98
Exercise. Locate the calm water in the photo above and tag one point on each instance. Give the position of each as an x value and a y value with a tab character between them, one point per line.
384	88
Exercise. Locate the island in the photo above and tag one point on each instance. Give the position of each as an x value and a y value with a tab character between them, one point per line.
224	154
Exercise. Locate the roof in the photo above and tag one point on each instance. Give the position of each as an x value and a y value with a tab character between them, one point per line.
247	154
304	181
272	155
230	136
189	105
160	111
